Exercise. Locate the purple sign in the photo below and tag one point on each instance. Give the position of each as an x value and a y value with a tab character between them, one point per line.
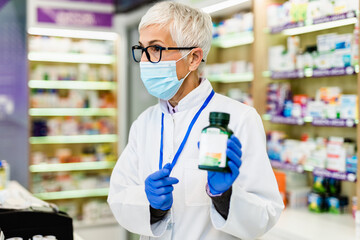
333	122
65	17
333	72
343	176
287	74
325	19
336	17
14	103
90	1
2	3
286	26
287	166
287	120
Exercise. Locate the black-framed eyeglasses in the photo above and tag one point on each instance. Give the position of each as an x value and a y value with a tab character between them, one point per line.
153	52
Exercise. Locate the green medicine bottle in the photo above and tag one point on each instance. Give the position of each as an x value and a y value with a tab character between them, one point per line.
213	143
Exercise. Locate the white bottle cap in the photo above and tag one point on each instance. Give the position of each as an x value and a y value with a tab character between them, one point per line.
50	237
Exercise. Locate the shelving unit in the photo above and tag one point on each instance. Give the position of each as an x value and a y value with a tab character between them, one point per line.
313	73
104	138
78	163
299	168
71	58
80	193
232	77
65	167
317	122
319	24
40	112
306	81
233	47
83	85
234	40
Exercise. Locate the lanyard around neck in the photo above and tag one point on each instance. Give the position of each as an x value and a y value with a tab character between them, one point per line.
182	145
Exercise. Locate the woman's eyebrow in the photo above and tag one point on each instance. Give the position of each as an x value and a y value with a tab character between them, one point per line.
151	42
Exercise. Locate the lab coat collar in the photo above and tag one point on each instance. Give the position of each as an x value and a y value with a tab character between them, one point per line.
194	98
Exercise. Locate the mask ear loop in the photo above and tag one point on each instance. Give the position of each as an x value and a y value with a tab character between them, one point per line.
186	75
182	58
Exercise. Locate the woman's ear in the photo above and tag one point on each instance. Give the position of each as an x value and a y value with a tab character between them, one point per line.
195	58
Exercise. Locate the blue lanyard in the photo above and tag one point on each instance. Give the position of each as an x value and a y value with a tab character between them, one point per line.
182	145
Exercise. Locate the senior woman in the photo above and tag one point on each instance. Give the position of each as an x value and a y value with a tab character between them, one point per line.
156	188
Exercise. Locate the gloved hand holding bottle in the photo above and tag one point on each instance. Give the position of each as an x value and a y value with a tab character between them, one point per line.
220	182
158	188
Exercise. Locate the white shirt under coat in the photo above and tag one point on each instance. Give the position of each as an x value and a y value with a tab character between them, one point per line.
255	203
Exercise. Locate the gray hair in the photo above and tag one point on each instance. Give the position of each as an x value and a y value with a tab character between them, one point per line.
189	27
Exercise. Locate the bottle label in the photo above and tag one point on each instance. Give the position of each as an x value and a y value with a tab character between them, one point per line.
213	144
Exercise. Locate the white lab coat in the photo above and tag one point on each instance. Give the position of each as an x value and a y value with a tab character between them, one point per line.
255	203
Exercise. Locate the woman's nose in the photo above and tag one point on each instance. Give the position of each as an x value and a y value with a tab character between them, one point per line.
144	58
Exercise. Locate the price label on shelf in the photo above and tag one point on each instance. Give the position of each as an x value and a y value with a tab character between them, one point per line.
343	176
287	166
287	120
333	122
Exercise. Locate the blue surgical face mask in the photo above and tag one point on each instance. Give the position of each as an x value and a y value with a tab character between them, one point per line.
160	79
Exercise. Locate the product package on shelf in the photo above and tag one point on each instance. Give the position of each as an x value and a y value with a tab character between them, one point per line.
330	107
333	55
62	98
82	72
72	126
294	13
73	119
4	174
236	67
69	45
68	181
336	155
241	22
326	196
89	153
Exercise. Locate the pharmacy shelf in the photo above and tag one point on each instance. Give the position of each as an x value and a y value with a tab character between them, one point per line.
231	77
301	224
321	172
285	120
103	138
69	33
81	193
84	85
98	223
288	166
313	73
81	166
323	23
38	112
233	40
317	122
71	58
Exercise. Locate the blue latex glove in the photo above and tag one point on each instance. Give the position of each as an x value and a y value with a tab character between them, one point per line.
220	182
158	188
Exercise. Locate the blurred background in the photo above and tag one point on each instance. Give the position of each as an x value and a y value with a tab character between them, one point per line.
69	91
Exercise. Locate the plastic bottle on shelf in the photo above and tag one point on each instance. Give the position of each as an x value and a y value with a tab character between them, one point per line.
4	172
37	237
355	46
50	237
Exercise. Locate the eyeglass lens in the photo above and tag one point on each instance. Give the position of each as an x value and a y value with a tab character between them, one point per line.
154	53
